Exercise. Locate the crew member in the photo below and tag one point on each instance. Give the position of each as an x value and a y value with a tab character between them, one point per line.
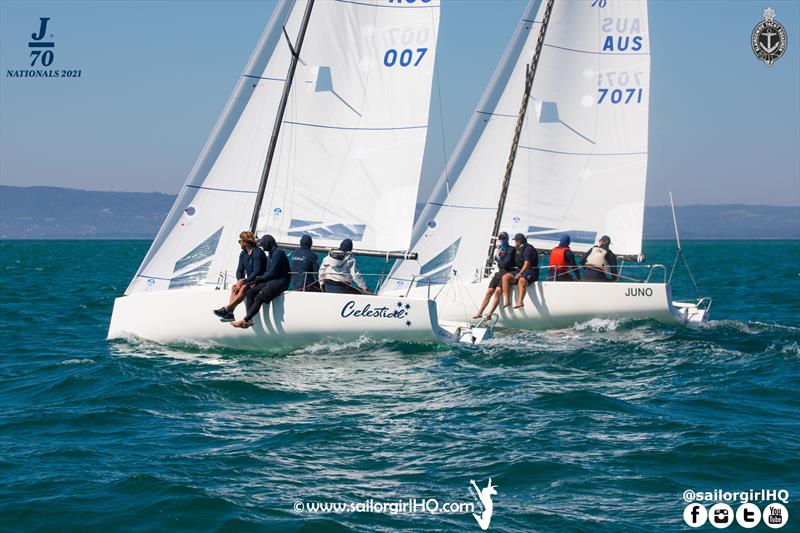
339	271
304	267
505	256
252	263
526	271
562	262
268	286
600	263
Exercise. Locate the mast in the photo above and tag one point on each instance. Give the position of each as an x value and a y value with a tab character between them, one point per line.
530	72
276	128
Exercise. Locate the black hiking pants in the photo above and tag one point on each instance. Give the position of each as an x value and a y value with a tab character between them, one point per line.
263	293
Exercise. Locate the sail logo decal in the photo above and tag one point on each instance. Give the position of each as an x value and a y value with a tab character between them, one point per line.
298	228
199	258
438	269
400	312
769	38
553	234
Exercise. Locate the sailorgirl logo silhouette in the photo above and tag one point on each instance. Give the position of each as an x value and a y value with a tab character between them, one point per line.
485	494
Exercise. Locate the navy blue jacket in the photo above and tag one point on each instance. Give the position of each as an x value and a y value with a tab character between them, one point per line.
304	261
277	267
252	265
507	260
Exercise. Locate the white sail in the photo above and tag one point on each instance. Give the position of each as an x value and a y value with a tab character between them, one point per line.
582	161
198	241
349	157
581	164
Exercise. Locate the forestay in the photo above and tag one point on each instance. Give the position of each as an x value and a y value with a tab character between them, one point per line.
350	148
581	165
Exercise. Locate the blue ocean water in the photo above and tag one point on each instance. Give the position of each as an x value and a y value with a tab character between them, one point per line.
601	426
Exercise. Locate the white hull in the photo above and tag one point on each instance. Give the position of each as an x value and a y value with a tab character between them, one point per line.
294	319
550	304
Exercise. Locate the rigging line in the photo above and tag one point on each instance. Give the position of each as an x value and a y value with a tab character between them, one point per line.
529	75
441	118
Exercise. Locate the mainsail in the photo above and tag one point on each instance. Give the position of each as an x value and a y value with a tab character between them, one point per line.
350	149
582	159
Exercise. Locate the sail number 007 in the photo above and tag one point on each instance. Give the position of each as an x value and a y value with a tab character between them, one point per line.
404	58
620	96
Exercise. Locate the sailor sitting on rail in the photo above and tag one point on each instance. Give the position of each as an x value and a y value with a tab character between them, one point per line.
505	257
269	285
252	263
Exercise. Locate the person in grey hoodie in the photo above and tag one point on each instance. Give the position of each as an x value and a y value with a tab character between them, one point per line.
339	273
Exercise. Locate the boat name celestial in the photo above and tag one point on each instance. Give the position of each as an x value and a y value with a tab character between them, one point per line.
349	310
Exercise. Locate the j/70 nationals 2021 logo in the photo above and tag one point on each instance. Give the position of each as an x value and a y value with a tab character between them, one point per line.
42	49
769	38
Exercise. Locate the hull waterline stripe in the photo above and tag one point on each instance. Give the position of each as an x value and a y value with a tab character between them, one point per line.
532	21
219	190
597	53
354	129
577	153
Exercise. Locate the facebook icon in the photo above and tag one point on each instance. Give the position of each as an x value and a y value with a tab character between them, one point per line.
695	515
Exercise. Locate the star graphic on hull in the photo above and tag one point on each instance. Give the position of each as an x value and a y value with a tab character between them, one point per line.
408	307
399	304
408	323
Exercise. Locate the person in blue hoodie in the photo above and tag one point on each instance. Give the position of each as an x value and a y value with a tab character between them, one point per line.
505	257
305	266
268	286
252	263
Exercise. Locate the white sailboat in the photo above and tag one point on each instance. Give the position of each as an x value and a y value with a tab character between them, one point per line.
578	166
332	149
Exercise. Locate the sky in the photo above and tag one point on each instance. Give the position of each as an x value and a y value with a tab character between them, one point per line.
155	75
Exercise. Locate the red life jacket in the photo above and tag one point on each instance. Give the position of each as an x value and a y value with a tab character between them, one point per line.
558	262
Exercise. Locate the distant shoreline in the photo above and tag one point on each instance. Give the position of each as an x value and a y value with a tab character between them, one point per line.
47	213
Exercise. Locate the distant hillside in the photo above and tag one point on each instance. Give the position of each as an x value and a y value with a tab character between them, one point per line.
56	213
724	222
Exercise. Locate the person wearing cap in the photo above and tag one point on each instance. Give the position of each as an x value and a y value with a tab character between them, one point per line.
252	263
269	285
305	266
600	263
526	271
505	258
562	262
339	272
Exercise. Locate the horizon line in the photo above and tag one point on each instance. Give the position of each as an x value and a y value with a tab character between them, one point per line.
418	203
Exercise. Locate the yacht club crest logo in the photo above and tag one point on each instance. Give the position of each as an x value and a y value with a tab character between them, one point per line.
769	38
